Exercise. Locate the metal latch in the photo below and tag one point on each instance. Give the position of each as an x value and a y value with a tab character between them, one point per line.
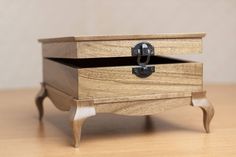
143	50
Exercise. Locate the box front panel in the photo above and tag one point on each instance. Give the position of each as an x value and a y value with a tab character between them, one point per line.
122	48
119	81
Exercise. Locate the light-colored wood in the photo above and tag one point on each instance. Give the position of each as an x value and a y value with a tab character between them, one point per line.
92	83
119	48
142	97
199	100
82	109
76	131
123	48
120	45
86	91
119	81
127	105
175	133
61	100
77	117
124	37
144	107
64	101
39	100
60	50
61	77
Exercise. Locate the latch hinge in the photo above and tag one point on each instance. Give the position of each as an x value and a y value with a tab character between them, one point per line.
143	50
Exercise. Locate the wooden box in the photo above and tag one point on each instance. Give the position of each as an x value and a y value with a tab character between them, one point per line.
128	75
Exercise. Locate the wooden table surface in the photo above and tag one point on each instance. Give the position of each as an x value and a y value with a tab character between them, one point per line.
175	133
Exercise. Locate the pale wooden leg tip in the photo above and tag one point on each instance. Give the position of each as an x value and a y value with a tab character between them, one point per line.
77	118
76	128
76	145
207	129
208	115
199	99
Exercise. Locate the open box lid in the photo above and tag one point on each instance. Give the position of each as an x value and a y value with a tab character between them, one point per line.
120	45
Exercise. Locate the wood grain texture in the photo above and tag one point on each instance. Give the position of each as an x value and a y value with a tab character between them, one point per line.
144	107
61	77
60	50
122	48
82	109
119	81
124	37
64	101
107	100
92	83
119	48
77	117
199	99
61	100
176	133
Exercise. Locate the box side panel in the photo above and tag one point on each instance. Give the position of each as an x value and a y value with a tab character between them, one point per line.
59	50
61	77
119	81
60	99
94	49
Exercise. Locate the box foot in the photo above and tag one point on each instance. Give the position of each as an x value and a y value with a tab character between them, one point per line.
42	94
199	100
78	115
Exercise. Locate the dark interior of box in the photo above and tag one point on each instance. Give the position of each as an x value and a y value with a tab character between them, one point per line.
115	61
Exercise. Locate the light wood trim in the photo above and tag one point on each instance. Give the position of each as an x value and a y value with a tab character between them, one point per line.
111	82
168	95
144	107
123	37
68	100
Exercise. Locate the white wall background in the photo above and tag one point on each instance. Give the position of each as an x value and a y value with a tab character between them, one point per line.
22	22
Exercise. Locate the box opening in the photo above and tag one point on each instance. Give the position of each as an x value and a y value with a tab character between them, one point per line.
114	61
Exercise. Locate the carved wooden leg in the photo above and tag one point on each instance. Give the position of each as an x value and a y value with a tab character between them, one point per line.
199	99
39	100
77	118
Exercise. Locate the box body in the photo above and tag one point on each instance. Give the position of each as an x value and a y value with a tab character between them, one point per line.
62	69
100	82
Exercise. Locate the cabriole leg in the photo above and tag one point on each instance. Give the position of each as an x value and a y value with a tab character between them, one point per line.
199	99
39	100
78	115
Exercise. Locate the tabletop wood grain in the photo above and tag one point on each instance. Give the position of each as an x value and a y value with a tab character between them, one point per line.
174	133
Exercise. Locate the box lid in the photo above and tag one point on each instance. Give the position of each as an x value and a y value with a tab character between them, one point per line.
120	45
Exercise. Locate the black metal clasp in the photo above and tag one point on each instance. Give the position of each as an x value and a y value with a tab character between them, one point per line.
141	50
